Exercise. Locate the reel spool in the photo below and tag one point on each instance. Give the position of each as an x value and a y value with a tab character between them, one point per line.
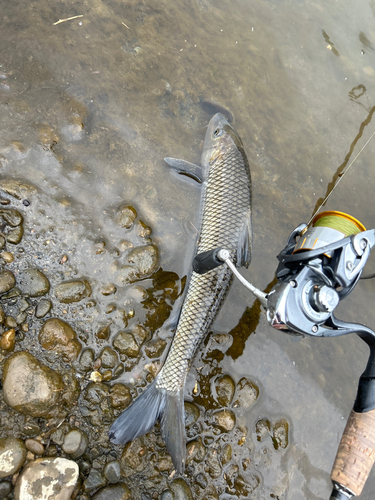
327	227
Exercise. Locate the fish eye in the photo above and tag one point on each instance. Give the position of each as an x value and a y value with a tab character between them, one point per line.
217	132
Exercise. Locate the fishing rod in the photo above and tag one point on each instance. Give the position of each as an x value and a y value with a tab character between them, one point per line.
320	265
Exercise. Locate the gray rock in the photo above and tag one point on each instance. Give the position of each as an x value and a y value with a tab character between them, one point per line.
155	348
113	492
125	216
201	480
145	258
72	291
191	413
225	388
126	344
87	359
7	281
94	481
12	456
75	443
166	495
56	335
225	420
29	386
109	357
181	490
34	446
33	282
246	393
95	393
44	306
280	437
112	471
47	479
5	489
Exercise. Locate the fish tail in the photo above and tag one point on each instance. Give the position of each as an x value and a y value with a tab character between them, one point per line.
154	404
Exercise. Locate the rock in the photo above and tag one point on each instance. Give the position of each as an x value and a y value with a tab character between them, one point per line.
7	281
109	357
8	340
181	490
2	242
5	489
29	386
72	291
44	306
201	480
34	446
104	332
133	457
2	315
140	334
12	455
108	289
126	275
191	413
225	388
246	393
10	322
226	454
166	495
56	335
94	481
86	360
195	450
94	394
113	492
145	258
125	216
262	429
75	443
120	397
15	236
280	437
31	429
112	471
155	348
11	216
143	230
47	479
126	344
17	189
7	256
33	282
225	420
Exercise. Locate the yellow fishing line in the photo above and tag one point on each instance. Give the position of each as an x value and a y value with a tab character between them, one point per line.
340	221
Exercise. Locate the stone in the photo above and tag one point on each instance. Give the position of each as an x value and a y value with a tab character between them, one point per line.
29	386
125	216
246	393
72	291
104	332
47	479
108	289
43	308
140	334
8	340
33	282
201	480
214	467
145	258
155	348
181	490
126	275
191	413
225	388
94	481
34	446
95	393
56	335
225	420
87	358
7	281
109	357
31	429
262	429
7	256
113	492
10	322
126	344
195	450
15	236
11	216
75	443
133	457
166	495
120	397
280	433
112	471
5	489
17	189
12	455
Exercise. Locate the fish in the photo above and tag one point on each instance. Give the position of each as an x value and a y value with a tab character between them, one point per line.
225	222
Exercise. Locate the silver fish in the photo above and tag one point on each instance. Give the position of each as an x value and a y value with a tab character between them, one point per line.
225	223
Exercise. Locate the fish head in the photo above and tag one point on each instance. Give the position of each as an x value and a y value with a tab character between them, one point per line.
220	137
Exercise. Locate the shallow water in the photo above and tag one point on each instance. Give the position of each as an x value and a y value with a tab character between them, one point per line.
89	107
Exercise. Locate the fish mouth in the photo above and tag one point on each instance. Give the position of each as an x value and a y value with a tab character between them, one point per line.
216	138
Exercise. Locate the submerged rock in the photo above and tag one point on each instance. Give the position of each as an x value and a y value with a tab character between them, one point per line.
47	479
191	413
181	490
280	437
120	397
29	386
44	306
155	348
15	236
109	357
94	481
112	471
145	259
75	443
113	492
11	216
33	282
225	420
225	388
12	456
262	429
7	281
246	393
126	344
72	291
56	335
125	216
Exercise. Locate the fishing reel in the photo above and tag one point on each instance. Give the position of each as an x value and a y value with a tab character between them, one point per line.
319	266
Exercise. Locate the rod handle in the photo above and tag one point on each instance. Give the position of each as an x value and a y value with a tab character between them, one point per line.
356	453
206	261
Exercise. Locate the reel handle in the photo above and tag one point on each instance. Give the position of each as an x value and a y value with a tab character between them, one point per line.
355	456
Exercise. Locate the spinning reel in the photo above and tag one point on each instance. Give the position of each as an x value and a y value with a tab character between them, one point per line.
319	266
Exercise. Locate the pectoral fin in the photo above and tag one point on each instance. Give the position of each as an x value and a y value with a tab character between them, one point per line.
186	168
245	242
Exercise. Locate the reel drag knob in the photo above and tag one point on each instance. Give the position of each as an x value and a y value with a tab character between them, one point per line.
325	299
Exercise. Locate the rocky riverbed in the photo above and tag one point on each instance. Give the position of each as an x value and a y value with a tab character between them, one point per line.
79	342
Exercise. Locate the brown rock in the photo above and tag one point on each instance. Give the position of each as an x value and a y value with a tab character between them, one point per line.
56	335
8	340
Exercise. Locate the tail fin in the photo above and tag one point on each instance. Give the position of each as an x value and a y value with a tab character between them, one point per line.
140	417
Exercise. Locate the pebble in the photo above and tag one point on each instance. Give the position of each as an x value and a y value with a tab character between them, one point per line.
15	236
96	376
2	242
11	216
155	348
112	471
225	420
12	455
8	340
108	289
126	344
246	393
120	397
103	333
109	357
75	443
33	282
280	435
195	450
95	393
166	495
125	216
17	189
86	360
143	230
126	275
7	256
47	479
56	335
43	308
145	258
2	315
191	413
34	446
181	490
72	291
214	467
94	481
113	492
29	386
201	480
5	489
140	334
226	454
10	322
31	429
7	281
262	429
225	388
